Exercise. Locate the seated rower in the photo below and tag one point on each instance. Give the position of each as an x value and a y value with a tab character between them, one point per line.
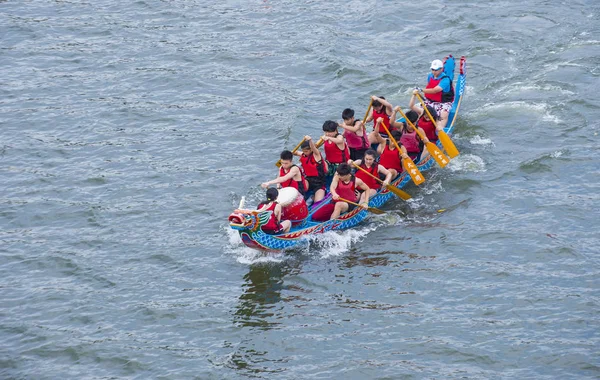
336	149
355	134
289	174
315	169
274	226
368	163
389	157
424	122
381	108
344	185
410	139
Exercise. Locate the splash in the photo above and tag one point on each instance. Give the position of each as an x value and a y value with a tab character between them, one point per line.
538	108
336	243
521	87
478	140
467	163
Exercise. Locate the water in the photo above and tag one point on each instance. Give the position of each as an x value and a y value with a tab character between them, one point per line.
129	131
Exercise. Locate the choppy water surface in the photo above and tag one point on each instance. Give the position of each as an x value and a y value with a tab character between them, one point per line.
130	130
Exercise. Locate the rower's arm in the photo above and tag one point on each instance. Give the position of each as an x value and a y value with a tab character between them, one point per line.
293	171
314	149
380	140
352	128
413	106
334	185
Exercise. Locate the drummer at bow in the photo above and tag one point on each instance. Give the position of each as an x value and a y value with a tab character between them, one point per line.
274	226
343	191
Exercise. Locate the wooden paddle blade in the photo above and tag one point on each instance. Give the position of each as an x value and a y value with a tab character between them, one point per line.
375	210
437	154
399	193
278	164
448	144
412	170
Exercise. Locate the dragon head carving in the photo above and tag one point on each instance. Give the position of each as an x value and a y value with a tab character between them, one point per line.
248	220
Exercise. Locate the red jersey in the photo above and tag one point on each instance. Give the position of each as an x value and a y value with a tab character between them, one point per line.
334	154
347	190
311	167
298	185
273	223
386	121
367	179
390	159
429	129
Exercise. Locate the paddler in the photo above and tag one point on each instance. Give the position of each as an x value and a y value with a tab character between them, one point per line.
290	175
336	149
410	139
424	121
381	108
389	157
355	134
344	185
315	169
368	163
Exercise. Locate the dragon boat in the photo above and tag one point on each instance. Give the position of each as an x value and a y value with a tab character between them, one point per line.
249	222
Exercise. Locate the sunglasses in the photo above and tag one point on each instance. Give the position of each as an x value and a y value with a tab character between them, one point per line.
436	69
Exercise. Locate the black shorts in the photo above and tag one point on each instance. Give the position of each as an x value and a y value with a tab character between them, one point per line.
357	154
315	183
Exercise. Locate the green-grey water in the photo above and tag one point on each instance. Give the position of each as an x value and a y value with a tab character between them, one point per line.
130	130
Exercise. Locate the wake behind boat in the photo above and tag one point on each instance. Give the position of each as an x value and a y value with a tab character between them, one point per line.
249	222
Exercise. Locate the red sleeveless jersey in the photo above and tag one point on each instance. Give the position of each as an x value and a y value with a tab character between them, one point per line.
346	190
273	223
298	185
410	142
390	159
311	167
386	120
334	154
367	179
429	129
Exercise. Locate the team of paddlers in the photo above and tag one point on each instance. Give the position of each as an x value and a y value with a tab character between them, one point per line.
376	154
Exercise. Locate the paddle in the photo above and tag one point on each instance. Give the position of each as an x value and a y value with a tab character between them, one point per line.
374	210
401	194
278	163
443	136
407	163
367	113
435	152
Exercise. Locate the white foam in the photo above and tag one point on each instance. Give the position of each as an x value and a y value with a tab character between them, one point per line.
435	187
467	163
556	154
539	108
478	140
520	87
336	243
249	256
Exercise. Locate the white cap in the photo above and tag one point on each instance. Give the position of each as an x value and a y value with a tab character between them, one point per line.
437	64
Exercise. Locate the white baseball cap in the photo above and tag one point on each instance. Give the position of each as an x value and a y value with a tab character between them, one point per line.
437	64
